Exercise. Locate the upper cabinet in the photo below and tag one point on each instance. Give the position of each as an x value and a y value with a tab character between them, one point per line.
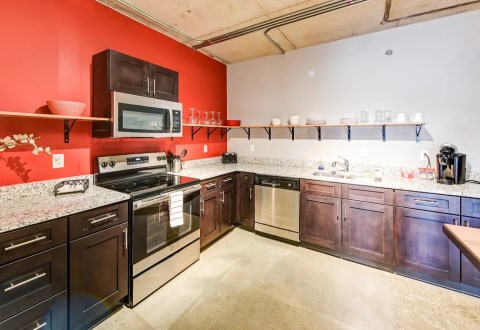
114	71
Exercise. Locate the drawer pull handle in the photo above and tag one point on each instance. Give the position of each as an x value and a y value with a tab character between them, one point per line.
14	286
338	210
106	217
40	326
210	185
455	222
467	224
227	180
223	197
251	193
202	206
15	246
419	201
125	236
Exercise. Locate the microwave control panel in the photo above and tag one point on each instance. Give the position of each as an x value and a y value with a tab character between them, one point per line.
177	121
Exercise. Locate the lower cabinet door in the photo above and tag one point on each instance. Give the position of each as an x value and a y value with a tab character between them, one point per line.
320	221
30	280
247	206
98	275
421	246
470	274
368	231
226	208
50	314
209	217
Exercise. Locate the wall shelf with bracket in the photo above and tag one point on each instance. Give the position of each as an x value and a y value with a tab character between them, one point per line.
67	126
268	129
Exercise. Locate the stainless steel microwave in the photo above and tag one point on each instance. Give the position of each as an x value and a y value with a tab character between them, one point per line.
140	116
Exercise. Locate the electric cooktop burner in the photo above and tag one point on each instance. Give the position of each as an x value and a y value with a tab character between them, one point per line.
139	175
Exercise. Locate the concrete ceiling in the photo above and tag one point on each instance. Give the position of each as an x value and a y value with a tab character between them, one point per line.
194	21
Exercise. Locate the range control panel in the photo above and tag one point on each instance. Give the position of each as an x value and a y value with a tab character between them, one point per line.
108	164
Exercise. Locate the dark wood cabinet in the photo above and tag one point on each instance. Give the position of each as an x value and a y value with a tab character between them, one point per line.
428	202
469	273
421	246
114	71
226	208
31	280
320	220
245	205
98	274
368	231
209	217
50	314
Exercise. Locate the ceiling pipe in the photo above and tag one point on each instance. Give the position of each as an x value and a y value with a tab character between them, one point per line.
280	21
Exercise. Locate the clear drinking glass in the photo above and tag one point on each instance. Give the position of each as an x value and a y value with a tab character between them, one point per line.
192	119
388	116
379	117
219	120
213	121
364	117
206	121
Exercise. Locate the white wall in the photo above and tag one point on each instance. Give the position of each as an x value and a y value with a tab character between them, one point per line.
434	69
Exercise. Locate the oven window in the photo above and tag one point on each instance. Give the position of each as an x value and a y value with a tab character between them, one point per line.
135	118
154	230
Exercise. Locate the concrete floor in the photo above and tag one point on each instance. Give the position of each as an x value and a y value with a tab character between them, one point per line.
245	281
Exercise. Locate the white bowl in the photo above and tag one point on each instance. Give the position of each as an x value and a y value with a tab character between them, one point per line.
276	122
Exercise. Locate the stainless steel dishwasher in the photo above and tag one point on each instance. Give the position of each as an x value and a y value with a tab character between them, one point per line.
277	206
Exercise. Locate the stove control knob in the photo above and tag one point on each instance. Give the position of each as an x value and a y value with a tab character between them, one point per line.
104	164
159	158
112	163
164	157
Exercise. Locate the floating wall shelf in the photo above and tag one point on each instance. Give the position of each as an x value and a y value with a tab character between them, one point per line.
268	128
67	127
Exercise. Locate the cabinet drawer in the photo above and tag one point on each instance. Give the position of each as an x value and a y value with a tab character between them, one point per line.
91	221
27	241
367	194
227	180
210	185
428	202
328	189
247	178
471	207
31	280
48	315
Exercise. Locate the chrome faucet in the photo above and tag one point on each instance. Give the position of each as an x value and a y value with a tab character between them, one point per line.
345	164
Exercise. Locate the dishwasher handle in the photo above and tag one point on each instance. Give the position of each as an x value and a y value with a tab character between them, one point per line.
272	184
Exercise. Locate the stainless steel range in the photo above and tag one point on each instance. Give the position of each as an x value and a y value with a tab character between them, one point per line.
165	218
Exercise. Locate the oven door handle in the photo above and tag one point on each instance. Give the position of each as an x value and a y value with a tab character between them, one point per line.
163	198
149	202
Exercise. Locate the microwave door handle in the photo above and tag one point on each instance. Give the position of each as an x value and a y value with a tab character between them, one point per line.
171	121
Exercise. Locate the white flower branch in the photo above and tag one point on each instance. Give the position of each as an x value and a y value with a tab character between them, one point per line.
22	139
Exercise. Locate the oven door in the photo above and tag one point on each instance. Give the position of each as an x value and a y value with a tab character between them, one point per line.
153	229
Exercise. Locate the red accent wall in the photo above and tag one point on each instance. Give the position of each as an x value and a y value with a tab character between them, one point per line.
47	47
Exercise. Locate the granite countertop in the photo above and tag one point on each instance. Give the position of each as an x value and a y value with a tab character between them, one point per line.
392	182
28	204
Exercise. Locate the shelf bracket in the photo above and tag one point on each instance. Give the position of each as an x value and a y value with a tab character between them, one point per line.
319	131
292	131
66	129
349	133
384	133
195	131
247	130
225	131
418	128
269	132
209	132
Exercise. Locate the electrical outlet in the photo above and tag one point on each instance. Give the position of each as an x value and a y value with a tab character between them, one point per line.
205	148
58	160
422	154
252	147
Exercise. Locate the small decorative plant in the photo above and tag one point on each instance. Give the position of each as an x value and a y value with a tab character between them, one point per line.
25	140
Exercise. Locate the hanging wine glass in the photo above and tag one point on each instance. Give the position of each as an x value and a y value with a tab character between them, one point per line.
206	121
219	120
213	121
192	119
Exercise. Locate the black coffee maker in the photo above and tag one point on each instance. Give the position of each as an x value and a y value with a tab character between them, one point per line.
451	165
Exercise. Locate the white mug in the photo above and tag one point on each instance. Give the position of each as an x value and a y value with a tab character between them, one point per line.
401	118
417	118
